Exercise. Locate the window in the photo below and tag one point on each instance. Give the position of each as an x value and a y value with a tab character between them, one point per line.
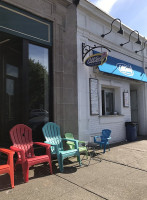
107	101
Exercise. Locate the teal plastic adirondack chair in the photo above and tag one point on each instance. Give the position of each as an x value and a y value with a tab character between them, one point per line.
52	135
71	145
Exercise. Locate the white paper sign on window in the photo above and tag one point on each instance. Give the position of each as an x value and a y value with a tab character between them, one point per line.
93	84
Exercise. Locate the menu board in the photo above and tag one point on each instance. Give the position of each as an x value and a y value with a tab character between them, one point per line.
93	89
126	99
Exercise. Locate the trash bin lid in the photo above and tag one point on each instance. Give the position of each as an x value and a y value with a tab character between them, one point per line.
131	123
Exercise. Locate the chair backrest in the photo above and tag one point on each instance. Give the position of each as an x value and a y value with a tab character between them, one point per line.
69	135
70	145
51	132
106	133
21	136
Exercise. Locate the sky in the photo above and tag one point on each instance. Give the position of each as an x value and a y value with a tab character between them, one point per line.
132	13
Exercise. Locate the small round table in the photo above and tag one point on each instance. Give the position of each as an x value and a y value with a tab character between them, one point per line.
91	148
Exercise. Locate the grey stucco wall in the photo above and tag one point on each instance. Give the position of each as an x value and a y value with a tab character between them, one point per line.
65	72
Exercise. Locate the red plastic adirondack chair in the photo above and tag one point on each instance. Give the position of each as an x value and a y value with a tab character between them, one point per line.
21	136
8	168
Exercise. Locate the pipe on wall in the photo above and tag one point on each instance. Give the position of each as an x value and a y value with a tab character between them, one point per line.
76	2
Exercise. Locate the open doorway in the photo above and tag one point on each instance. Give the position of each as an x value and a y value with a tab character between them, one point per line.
134	106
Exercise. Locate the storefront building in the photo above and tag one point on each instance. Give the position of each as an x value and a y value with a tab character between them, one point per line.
112	91
44	74
37	66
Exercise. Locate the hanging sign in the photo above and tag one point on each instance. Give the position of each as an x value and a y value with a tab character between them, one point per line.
96	59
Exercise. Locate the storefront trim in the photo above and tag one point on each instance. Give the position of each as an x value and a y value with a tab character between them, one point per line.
23	24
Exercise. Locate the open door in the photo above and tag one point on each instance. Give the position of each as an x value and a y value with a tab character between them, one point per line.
134	107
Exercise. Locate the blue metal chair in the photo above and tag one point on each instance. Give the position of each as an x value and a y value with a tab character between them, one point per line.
104	139
52	135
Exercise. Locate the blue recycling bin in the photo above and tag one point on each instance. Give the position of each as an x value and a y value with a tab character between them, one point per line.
131	131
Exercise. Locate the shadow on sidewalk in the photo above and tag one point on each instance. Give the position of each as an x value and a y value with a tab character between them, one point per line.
37	171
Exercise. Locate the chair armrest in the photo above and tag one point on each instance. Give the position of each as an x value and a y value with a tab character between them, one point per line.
10	156
72	140
42	144
54	145
80	141
7	151
47	146
97	136
17	150
46	142
68	139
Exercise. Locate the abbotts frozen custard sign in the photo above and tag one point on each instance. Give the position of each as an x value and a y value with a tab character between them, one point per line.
125	69
96	59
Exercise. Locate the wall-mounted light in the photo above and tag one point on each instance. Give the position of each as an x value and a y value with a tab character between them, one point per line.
120	30
137	42
142	48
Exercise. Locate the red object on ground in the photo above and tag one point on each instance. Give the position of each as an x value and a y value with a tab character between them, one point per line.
21	136
9	167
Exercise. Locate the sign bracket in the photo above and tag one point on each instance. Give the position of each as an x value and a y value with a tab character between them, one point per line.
87	48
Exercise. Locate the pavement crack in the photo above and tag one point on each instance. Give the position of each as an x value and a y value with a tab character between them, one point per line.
124	165
135	149
82	187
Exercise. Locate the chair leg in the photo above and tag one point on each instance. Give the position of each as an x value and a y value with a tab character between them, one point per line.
50	165
108	146
61	165
86	152
104	148
12	178
25	169
105	145
27	175
60	162
79	159
16	165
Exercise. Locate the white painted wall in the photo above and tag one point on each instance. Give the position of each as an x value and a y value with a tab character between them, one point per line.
92	22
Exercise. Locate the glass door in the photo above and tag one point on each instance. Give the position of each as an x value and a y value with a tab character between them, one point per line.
25	86
38	73
10	72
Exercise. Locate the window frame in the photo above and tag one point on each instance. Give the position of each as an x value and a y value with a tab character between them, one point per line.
104	92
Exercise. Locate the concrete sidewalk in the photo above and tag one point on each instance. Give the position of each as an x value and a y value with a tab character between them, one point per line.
121	175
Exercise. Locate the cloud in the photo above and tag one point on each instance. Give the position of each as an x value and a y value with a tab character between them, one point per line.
105	5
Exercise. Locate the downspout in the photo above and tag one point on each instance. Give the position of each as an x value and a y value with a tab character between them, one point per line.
76	2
